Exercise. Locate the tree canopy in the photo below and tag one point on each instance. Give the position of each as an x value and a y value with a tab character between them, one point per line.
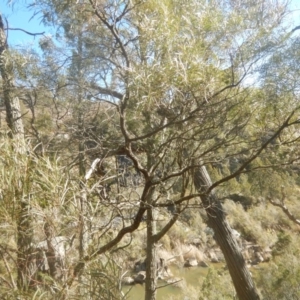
141	106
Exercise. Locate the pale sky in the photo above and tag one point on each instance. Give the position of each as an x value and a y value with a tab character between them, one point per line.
19	17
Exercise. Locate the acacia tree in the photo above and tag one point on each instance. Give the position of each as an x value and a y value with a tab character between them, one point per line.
177	85
186	91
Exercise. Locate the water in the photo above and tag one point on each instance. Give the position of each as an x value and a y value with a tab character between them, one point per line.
191	277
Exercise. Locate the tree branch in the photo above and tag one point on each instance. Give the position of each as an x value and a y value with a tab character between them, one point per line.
80	265
285	210
254	156
27	32
165	229
106	91
294	29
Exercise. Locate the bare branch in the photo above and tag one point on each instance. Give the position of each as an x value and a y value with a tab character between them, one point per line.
294	29
254	156
283	207
106	91
165	229
27	32
285	210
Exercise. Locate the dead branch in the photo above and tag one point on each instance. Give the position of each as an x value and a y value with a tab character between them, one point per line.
285	210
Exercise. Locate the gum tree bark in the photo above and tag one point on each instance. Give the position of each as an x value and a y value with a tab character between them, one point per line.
239	273
11	101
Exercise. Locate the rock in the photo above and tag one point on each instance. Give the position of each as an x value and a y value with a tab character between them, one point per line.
164	273
209	231
140	277
219	255
259	256
213	257
235	233
267	256
192	262
41	254
196	242
203	264
127	280
140	266
246	255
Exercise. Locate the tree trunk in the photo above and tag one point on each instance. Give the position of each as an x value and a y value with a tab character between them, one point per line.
50	254
11	101
84	233
151	267
15	124
239	273
24	239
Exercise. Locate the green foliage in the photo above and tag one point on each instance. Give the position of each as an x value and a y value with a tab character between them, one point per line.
280	279
102	281
217	285
164	83
253	224
282	244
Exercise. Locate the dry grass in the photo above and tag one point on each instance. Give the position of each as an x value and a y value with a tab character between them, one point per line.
166	255
185	252
249	224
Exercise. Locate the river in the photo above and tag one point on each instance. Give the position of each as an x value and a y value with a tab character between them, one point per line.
190	276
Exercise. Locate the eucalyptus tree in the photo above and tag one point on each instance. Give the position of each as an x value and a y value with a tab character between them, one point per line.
10	99
280	81
174	73
16	133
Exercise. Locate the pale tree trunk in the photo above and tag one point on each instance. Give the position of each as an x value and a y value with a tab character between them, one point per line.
50	254
239	273
83	213
11	101
83	226
24	239
15	124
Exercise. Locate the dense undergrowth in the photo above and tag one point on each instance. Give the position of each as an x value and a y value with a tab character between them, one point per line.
52	196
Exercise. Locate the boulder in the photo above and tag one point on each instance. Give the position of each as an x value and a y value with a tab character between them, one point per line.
191	262
196	242
164	273
267	256
140	277
235	233
246	255
128	280
258	258
220	255
203	264
213	256
140	266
